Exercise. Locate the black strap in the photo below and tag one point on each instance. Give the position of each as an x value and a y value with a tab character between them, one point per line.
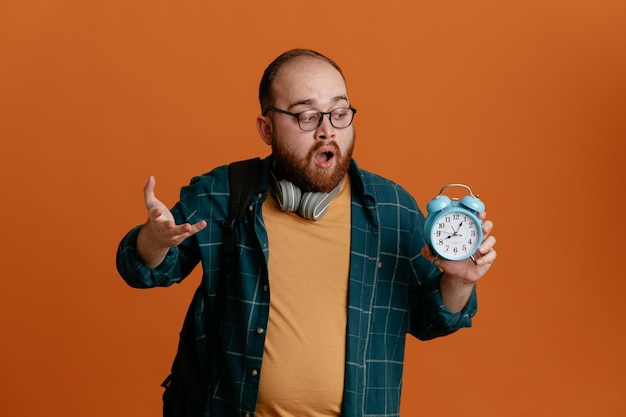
242	177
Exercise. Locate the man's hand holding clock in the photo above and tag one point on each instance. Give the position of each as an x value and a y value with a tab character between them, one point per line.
460	243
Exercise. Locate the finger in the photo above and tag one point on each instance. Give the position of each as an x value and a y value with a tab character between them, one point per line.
487	259
148	191
486	251
170	234
187	229
427	253
198	226
487	244
487	228
156	215
173	235
183	231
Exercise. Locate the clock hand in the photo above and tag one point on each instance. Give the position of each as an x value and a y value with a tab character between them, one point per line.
459	228
456	230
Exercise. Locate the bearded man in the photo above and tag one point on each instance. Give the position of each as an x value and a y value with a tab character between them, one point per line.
332	270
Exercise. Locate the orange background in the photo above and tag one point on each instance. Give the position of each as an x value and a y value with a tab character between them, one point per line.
524	101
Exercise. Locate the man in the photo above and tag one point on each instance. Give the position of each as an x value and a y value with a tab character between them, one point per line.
315	322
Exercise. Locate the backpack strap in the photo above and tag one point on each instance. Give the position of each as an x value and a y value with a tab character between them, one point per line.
242	177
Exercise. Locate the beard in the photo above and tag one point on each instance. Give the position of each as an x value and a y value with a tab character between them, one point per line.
303	173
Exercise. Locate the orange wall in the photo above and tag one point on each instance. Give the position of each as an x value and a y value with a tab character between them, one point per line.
522	100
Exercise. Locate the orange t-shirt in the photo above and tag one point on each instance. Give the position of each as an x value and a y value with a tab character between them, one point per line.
304	360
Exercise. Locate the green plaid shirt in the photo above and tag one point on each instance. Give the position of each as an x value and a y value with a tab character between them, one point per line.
392	290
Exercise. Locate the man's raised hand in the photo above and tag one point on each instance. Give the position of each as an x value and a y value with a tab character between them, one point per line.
160	231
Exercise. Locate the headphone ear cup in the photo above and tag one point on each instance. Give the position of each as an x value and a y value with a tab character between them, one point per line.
310	205
287	195
313	205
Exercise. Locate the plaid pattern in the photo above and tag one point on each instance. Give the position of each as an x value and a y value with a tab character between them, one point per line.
392	290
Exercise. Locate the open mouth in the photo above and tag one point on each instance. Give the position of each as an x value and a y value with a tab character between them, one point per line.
324	157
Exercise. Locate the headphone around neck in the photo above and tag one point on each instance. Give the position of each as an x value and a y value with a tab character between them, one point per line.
309	205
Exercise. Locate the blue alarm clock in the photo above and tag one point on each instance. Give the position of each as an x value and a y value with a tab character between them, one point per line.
452	228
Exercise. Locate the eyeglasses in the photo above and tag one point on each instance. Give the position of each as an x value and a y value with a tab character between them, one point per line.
312	119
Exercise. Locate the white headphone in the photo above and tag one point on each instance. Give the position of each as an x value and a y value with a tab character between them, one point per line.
310	205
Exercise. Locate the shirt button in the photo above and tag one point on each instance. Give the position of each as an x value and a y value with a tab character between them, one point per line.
248	414
250	207
380	264
260	330
254	372
265	287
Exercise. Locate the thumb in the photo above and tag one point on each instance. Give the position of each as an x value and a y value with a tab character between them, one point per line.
427	253
148	192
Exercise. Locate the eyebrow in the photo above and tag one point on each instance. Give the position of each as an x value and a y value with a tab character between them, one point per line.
311	101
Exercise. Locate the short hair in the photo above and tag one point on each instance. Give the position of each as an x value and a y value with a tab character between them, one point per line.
265	88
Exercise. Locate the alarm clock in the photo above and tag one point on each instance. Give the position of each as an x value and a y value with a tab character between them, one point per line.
452	228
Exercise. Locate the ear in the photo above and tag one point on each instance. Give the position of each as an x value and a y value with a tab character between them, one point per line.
264	126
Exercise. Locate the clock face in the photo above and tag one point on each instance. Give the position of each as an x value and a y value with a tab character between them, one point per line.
455	235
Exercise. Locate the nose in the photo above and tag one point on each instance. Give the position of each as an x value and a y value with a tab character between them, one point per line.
326	130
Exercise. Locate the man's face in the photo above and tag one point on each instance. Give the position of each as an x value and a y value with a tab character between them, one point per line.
313	160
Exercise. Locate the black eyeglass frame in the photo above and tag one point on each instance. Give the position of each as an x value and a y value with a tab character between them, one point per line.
319	123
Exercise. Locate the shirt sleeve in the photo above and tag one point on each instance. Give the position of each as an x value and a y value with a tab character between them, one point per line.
429	316
137	275
202	199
